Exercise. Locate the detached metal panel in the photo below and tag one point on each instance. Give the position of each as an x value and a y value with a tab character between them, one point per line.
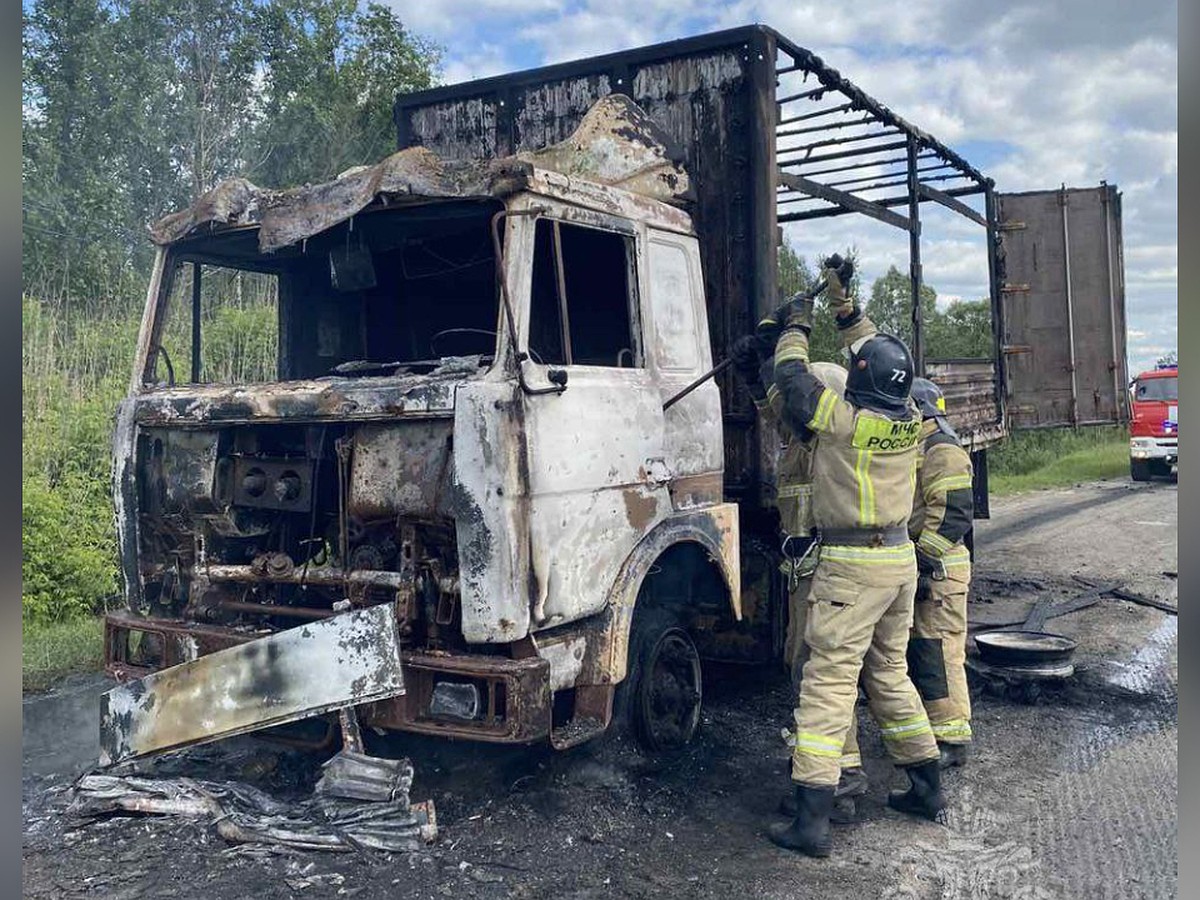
1063	297
715	97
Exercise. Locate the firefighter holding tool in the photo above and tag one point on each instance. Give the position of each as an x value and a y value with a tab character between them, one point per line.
754	362
860	606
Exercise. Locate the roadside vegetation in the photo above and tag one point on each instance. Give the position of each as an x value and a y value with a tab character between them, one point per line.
1030	460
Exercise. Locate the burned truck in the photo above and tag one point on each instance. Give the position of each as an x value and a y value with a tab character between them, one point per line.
456	497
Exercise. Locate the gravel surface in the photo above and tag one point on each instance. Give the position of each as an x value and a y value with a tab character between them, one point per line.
1073	795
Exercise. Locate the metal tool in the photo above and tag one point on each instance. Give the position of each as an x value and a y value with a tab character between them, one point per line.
726	363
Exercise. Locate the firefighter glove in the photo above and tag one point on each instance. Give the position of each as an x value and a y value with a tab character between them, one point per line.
746	360
798	312
837	273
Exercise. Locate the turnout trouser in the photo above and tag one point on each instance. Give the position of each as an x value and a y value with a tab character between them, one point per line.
796	654
937	653
859	614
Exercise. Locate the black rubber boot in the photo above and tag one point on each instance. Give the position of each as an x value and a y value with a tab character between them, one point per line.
851	783
953	755
924	796
809	831
844	812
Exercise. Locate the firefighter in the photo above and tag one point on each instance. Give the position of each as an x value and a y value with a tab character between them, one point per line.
754	363
860	605
942	512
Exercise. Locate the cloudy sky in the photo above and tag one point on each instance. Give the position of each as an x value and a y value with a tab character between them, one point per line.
1034	94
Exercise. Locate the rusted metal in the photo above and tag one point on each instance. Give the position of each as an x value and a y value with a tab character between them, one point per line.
305	671
330	576
267	609
846	201
352	740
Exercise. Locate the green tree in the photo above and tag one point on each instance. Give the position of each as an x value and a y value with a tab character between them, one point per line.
332	72
963	330
890	305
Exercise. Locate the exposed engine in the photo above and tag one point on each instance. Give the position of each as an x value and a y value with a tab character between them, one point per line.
269	525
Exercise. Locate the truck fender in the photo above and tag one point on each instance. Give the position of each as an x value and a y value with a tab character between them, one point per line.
713	528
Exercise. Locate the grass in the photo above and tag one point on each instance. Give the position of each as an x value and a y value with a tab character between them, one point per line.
51	650
1106	458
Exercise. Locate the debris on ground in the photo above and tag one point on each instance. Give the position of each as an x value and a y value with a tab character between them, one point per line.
244	814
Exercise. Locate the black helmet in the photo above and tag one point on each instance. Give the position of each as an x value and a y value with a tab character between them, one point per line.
929	398
881	374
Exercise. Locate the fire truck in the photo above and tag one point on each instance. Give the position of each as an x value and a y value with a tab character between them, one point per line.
1154	425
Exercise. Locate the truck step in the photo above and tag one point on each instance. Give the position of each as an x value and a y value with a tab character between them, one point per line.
576	732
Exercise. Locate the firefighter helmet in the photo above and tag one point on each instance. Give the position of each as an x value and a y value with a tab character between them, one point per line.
881	374
929	398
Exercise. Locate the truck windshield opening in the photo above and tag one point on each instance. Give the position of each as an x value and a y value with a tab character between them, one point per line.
390	290
1161	389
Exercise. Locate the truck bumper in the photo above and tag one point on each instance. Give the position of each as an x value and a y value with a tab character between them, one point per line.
467	696
1159	449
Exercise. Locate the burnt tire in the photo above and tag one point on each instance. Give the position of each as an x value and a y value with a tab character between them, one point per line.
1139	470
659	701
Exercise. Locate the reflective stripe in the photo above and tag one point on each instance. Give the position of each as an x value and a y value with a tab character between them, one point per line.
957	557
948	483
824	412
793	345
959	728
908	728
794	490
888	556
933	542
850	761
866	488
817	745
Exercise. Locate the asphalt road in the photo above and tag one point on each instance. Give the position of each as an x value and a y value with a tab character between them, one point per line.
1072	795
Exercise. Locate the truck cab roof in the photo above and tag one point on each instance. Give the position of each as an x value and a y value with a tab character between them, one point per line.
616	162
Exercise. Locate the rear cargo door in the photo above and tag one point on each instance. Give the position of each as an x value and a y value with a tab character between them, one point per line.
1062	304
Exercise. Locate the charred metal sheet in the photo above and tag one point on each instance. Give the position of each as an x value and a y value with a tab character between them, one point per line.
241	813
616	144
124	492
342	661
333	400
491	511
401	469
286	217
515	701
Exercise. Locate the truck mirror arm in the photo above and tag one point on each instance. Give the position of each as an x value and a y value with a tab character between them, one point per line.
558	377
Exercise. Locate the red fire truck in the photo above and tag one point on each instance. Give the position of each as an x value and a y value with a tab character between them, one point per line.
1154	427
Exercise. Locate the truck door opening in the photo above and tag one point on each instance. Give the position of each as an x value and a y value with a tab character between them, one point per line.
582	309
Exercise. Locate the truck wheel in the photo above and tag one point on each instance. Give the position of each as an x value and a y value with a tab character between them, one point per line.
1161	467
1139	470
660	698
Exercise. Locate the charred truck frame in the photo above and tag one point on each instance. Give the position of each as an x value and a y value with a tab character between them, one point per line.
465	451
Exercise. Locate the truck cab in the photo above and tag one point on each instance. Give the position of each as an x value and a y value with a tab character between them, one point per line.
1154	425
467	425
